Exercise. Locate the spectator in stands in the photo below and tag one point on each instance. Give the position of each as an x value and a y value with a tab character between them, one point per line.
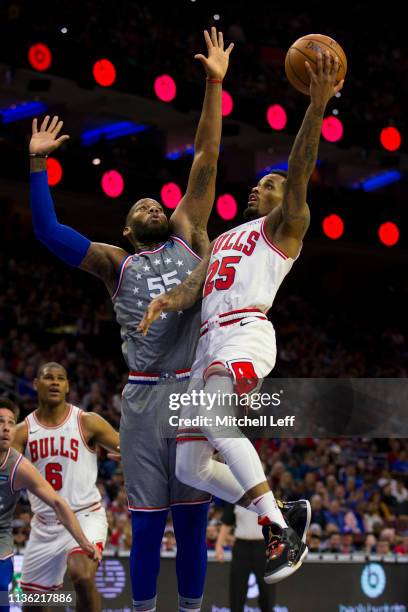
402	547
383	548
333	544
335	515
370	543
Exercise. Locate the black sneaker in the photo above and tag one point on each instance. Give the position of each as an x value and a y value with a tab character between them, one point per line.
298	515
285	551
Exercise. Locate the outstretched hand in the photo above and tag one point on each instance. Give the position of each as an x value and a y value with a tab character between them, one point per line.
323	82
152	312
44	141
216	64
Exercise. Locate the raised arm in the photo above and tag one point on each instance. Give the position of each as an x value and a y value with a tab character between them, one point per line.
184	296
102	260
99	432
28	477
295	213
190	218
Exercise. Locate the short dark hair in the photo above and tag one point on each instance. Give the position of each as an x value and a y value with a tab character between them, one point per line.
5	402
50	364
279	171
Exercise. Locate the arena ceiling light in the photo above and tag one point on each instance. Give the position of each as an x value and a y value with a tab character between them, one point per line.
380	180
54	171
227	103
276	117
390	138
332	129
333	227
170	195
388	233
110	131
165	88
227	207
39	57
112	183
183	152
104	72
22	110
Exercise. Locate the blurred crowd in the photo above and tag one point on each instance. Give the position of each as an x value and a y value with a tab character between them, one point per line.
357	487
144	41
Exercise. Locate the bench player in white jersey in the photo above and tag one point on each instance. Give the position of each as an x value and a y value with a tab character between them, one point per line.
241	276
60	440
17	473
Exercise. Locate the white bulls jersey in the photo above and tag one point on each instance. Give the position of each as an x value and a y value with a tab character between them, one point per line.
245	270
62	456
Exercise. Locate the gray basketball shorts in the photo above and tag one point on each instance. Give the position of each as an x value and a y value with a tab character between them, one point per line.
148	449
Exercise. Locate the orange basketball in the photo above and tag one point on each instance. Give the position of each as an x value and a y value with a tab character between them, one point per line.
307	48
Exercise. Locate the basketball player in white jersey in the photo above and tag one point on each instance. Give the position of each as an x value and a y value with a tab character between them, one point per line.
237	347
17	473
61	442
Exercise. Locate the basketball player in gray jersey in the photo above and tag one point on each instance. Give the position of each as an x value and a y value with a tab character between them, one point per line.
18	473
165	253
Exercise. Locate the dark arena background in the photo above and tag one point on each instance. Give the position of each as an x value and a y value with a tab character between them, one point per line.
121	75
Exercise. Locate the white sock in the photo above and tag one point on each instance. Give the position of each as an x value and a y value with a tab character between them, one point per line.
195	467
265	505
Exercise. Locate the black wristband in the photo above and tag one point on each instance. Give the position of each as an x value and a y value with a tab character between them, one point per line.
39	155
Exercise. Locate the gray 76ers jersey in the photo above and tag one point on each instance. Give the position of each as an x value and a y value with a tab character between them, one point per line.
171	341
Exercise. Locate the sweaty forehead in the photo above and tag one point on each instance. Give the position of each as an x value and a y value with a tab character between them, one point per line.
145	202
6	413
54	371
272	178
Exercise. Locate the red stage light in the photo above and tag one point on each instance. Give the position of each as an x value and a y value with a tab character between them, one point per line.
40	57
276	117
227	206
165	88
332	129
333	226
104	72
54	171
171	195
112	183
390	138
388	233
227	103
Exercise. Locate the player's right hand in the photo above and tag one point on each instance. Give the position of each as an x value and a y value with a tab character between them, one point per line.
44	141
153	312
323	82
219	554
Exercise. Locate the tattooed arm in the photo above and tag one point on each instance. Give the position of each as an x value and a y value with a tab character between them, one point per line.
295	215
181	297
190	218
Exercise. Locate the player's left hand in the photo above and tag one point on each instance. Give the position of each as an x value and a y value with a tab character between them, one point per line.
93	551
115	456
323	81
216	64
152	312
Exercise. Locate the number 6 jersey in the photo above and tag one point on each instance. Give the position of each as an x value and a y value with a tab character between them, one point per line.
64	459
245	270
